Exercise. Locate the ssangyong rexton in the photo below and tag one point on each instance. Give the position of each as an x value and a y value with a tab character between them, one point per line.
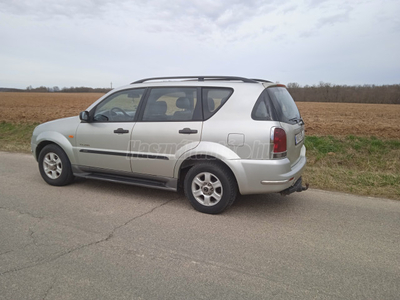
214	136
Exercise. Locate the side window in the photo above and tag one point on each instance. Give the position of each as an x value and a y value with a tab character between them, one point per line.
213	99
172	104
263	109
260	111
119	107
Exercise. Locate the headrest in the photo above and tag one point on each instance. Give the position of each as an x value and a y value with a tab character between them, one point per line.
183	103
211	104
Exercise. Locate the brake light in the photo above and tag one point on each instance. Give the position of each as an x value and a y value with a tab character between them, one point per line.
279	141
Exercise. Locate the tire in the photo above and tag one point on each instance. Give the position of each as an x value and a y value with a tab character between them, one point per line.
54	166
210	187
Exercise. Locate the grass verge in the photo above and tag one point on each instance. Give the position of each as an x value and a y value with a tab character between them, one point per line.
359	165
16	137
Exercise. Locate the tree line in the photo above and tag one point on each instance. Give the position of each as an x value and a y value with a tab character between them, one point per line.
56	89
327	92
323	92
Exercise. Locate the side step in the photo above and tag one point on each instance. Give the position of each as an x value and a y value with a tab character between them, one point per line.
145	182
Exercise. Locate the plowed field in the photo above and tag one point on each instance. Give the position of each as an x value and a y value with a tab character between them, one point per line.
339	119
342	119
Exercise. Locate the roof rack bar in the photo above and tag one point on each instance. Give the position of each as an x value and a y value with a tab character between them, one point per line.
199	78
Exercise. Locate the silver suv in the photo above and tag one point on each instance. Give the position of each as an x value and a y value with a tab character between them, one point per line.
213	136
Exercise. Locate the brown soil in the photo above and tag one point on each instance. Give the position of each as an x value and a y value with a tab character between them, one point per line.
42	107
339	119
342	119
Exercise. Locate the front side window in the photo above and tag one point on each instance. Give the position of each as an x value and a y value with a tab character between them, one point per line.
172	104
119	107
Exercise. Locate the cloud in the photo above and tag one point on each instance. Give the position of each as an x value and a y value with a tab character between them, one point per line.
48	9
332	20
222	12
79	42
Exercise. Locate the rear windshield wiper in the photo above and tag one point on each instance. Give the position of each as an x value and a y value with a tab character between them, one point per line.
297	120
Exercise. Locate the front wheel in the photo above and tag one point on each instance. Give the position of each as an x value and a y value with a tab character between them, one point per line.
210	187
54	166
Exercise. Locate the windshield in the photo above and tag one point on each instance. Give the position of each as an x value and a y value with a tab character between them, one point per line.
284	104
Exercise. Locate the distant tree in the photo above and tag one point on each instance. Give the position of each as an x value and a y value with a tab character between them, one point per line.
327	92
293	85
41	89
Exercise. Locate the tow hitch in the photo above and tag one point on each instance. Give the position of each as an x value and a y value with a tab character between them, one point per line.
297	187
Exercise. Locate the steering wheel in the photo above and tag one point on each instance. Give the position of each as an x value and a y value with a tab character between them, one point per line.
114	114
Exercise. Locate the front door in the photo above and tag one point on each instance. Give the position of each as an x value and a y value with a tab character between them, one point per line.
104	142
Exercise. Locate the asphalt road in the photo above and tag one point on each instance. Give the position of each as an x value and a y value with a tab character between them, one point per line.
96	240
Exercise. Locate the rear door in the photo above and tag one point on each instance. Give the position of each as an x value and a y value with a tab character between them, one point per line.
170	125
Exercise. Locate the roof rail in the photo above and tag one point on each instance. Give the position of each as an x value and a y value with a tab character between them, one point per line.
199	78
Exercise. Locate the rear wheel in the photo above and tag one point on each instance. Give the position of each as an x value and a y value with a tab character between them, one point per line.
210	187
54	166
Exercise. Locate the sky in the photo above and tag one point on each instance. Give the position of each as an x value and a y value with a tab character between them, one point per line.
99	43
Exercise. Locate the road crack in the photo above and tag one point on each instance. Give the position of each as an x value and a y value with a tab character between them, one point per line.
52	284
135	218
64	253
21	212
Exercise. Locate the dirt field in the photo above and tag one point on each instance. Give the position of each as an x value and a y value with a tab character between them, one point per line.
42	107
339	119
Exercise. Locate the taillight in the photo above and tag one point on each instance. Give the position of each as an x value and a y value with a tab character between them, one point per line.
279	140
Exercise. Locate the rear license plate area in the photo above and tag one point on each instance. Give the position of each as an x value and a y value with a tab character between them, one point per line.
298	138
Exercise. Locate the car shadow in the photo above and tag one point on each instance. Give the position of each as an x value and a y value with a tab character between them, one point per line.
260	204
269	204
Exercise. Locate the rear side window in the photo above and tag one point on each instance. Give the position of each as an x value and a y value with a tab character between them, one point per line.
261	111
213	99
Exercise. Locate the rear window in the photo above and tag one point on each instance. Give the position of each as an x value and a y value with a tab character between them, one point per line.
276	104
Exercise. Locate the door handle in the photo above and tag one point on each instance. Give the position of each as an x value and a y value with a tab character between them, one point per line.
187	131
121	130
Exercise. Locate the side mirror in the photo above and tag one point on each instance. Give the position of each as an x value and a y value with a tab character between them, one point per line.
84	116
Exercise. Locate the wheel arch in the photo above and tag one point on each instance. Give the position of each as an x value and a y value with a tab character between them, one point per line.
206	151
47	138
189	162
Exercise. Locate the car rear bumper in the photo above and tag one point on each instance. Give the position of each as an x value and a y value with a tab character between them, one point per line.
267	176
